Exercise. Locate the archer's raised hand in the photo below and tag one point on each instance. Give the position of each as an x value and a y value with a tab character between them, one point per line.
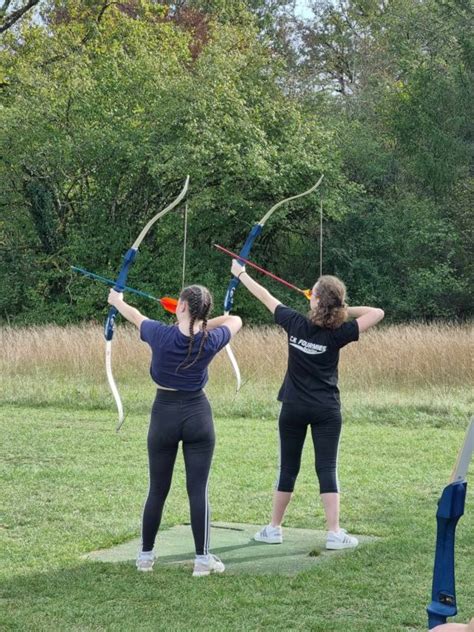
114	298
236	268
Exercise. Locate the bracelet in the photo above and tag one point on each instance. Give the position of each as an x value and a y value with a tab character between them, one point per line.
242	272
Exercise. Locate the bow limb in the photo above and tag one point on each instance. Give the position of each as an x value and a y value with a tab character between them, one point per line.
244	252
112	384
170	207
120	283
234	363
235	366
289	199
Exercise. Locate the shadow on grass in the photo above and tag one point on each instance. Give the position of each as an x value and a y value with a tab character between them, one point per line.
93	596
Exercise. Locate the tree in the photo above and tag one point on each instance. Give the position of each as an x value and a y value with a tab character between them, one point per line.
11	12
98	133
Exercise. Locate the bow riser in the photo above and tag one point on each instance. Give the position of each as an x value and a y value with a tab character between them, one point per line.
450	509
443	594
244	252
128	259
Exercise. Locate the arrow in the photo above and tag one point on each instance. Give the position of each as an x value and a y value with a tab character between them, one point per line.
306	293
168	303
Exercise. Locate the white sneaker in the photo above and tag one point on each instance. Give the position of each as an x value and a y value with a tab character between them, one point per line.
213	565
145	561
340	540
269	535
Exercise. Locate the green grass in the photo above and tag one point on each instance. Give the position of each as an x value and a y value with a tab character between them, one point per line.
71	485
431	404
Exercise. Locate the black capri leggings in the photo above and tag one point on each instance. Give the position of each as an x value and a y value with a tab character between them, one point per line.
325	430
179	416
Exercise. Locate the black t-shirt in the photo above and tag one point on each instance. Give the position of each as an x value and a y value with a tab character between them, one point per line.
313	356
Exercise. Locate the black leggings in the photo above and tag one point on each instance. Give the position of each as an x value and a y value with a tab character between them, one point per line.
325	430
179	416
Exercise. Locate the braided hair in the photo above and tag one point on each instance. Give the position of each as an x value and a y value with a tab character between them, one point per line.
331	310
199	302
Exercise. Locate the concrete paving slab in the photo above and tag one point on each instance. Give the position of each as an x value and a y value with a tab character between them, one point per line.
233	543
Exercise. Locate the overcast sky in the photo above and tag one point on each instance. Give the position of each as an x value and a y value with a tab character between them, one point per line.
302	9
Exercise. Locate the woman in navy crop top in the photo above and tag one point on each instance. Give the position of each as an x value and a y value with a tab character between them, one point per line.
310	396
181	354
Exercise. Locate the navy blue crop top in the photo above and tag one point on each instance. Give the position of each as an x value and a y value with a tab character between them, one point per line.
170	347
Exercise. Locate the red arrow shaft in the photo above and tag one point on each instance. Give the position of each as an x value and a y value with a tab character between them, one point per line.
262	270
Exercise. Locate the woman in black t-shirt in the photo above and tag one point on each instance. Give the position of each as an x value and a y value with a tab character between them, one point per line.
310	396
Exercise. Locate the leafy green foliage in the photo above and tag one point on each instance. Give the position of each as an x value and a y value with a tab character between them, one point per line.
404	120
100	128
106	108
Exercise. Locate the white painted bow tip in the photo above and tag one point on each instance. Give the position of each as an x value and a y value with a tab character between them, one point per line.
235	366
111	381
464	457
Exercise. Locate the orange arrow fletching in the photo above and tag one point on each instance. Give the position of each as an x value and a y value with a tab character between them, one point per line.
169	304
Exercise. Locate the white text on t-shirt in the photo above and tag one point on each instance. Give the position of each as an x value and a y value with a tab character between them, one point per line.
306	347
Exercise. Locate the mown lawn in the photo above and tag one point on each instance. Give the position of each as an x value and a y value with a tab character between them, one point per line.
71	485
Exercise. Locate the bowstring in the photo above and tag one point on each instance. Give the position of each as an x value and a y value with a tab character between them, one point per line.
321	237
185	241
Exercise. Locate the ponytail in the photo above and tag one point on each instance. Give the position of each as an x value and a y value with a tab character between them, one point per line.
199	301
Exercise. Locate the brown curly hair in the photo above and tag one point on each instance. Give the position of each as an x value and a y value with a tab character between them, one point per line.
200	304
331	310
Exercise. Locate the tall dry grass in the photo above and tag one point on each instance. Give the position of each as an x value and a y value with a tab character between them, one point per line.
401	356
